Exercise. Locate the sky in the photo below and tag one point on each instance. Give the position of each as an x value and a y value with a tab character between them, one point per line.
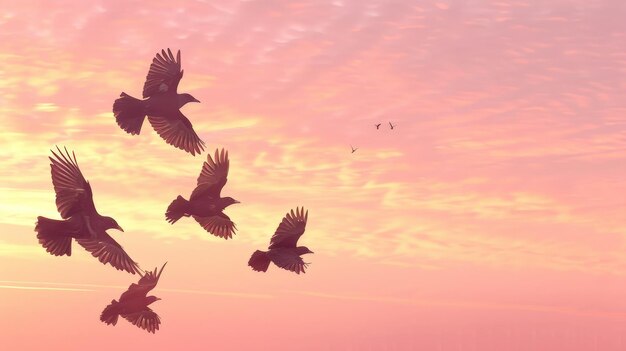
490	217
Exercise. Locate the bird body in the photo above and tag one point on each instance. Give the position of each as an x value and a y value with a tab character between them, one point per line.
282	250
166	105
205	204
203	207
162	105
81	221
133	304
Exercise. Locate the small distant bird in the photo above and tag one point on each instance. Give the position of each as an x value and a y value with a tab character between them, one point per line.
377	125
391	125
81	221
282	250
133	304
205	203
162	105
353	148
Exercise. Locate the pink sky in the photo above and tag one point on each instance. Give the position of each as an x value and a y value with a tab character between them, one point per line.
491	218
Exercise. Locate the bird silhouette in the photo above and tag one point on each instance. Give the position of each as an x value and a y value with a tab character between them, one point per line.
282	250
377	125
205	203
81	221
391	125
162	105
353	148
133	304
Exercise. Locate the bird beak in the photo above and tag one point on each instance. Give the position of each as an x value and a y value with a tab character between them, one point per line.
237	202
119	228
195	100
159	299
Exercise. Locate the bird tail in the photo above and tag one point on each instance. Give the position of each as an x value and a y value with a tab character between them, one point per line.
259	261
177	209
110	313
53	235
129	113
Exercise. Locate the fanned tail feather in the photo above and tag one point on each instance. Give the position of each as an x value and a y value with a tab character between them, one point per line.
176	209
129	113
111	313
53	236
259	261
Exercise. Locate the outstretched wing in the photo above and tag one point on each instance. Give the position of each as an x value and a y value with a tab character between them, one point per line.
109	251
290	229
290	261
219	225
146	319
213	176
164	74
73	193
146	283
177	131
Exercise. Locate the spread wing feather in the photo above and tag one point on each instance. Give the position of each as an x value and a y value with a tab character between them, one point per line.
107	250
73	192
146	283
220	225
290	229
178	132
146	319
213	176
164	74
291	262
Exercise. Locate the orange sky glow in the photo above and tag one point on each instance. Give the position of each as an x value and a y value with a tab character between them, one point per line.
490	218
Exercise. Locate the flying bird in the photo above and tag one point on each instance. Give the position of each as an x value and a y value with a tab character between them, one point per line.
81	221
282	250
353	148
162	105
205	203
377	125
391	125
133	304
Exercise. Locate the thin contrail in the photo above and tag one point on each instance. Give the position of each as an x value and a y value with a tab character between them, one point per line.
120	287
18	287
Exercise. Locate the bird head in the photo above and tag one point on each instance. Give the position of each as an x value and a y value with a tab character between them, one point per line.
110	223
183	99
303	250
227	201
151	299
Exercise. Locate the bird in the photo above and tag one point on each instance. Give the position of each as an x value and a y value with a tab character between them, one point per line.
205	204
391	125
377	125
134	302
162	106
353	148
81	221
282	250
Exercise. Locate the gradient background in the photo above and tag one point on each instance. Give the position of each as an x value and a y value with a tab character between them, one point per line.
491	218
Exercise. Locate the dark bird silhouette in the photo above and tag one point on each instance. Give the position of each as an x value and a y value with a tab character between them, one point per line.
133	304
162	105
205	203
377	125
81	221
353	148
391	125
282	250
